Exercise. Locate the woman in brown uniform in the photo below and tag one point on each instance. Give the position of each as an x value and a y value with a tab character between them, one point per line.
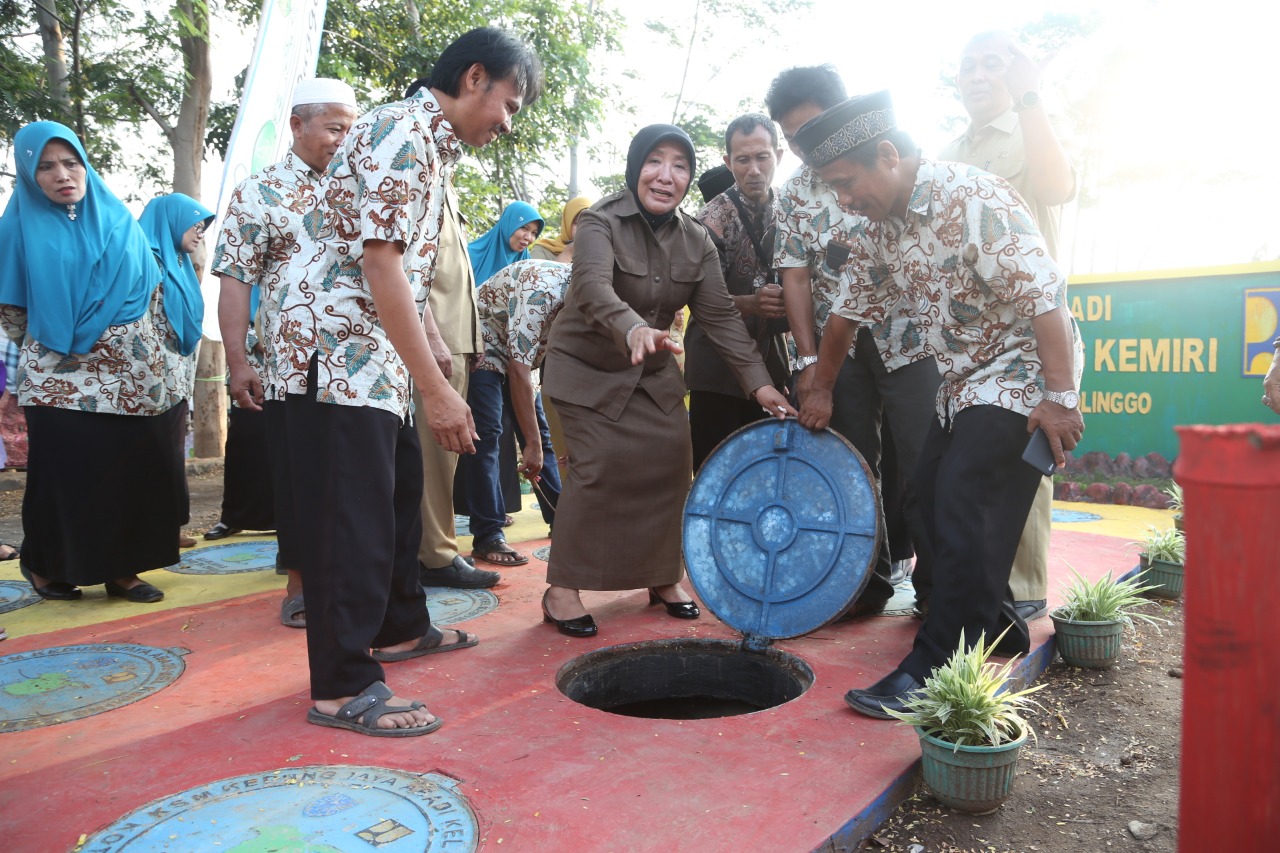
609	371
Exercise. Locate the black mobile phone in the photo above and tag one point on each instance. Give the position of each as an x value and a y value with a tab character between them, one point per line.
1039	455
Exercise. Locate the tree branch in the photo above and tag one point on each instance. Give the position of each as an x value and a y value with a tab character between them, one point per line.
142	101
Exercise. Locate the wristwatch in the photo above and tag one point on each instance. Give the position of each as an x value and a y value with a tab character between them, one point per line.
803	361
1027	101
1065	399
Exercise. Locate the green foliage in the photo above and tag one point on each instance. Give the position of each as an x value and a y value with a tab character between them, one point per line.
1104	600
965	701
1168	545
1174	492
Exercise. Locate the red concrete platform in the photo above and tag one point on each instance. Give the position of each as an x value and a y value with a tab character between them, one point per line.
540	772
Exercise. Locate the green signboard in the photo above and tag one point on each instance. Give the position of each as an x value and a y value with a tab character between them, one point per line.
1170	348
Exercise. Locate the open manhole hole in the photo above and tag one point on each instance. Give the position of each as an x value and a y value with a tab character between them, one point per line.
684	679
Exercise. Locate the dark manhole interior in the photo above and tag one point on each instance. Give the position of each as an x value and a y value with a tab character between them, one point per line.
684	679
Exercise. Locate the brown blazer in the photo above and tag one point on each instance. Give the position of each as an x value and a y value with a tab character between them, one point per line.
623	275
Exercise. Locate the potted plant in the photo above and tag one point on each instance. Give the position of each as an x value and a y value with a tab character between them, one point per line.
1091	620
970	730
1174	494
1164	553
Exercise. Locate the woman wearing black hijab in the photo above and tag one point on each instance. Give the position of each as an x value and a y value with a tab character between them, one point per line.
638	260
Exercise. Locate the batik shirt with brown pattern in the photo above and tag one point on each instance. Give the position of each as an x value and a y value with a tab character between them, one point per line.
385	183
966	270
517	306
259	238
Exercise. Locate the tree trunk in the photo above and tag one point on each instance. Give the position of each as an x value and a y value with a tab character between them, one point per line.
55	55
573	169
210	400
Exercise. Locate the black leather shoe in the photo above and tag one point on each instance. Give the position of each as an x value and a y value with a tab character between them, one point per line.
143	593
53	590
1029	610
921	609
899	571
678	609
220	531
891	692
583	626
459	575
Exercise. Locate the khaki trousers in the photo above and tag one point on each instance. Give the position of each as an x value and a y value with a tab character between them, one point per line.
439	538
1029	580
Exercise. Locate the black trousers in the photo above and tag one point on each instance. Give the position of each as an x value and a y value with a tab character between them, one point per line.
357	486
248	499
713	417
290	540
178	427
868	397
975	492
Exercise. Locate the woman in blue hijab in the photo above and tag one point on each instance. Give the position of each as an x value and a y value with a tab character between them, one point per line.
175	225
506	242
77	280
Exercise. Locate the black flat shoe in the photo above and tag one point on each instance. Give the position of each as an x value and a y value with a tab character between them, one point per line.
220	531
53	590
890	692
583	626
678	609
143	593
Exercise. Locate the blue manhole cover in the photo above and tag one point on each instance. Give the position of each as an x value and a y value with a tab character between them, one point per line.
1066	516
448	606
15	595
318	809
65	683
543	553
229	559
462	525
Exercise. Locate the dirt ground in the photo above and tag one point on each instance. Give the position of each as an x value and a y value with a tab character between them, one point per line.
1105	766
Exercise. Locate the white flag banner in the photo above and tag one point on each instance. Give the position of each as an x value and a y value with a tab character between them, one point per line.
286	51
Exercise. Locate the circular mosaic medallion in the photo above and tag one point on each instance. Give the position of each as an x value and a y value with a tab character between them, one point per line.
1067	516
15	595
229	559
65	683
449	606
543	553
319	809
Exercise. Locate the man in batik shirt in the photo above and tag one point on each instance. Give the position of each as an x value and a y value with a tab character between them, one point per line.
955	253
351	346
879	389
1010	136
517	306
264	219
740	220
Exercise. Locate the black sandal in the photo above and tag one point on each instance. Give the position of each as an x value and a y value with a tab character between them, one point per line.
362	713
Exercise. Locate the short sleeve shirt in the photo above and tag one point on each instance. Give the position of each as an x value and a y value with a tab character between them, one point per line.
259	239
387	182
179	369
970	270
121	374
816	233
517	306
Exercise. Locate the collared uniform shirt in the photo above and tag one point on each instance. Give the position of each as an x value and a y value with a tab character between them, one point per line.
387	182
517	307
123	373
258	240
998	148
817	234
744	273
967	271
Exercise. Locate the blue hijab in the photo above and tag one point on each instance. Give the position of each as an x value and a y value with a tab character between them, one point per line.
492	251
76	276
165	220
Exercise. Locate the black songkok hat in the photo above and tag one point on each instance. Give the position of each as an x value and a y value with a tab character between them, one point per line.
714	181
844	127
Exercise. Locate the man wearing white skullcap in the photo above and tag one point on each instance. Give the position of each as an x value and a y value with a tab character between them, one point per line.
259	236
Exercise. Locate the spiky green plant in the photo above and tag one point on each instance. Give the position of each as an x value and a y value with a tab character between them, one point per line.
1168	545
1105	600
965	703
1174	494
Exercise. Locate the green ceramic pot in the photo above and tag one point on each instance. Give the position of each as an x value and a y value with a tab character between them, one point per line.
973	779
1093	645
1167	578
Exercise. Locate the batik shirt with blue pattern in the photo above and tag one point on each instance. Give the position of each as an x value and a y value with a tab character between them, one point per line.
517	306
965	271
387	182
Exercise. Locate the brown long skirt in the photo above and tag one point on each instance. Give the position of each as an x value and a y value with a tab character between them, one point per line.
618	519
